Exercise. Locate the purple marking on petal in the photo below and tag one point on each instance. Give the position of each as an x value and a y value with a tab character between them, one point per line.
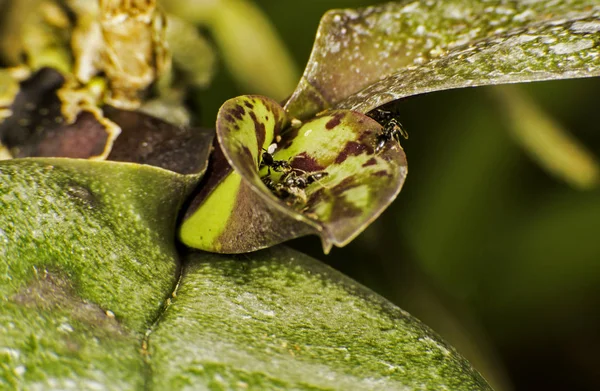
371	162
352	148
259	128
238	112
335	121
306	163
381	173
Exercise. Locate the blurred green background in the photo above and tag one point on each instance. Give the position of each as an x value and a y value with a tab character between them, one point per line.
495	254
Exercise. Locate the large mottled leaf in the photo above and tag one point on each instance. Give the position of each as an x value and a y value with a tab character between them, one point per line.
87	256
87	319
367	57
352	181
277	319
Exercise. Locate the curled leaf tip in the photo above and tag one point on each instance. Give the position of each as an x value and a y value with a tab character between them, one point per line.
363	58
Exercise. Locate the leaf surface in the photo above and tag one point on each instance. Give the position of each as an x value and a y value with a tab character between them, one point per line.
87	256
277	319
365	58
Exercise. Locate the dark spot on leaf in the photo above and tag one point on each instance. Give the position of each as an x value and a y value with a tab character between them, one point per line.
277	118
352	148
372	161
248	105
277	128
306	163
343	210
247	156
81	194
317	196
229	118
217	170
368	139
52	291
335	121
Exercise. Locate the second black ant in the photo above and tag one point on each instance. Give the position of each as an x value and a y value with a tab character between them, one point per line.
291	185
392	128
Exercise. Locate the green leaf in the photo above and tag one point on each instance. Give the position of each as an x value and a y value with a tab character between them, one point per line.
365	58
238	211
277	319
87	255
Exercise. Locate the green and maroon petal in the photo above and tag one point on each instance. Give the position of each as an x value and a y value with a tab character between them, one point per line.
236	212
360	181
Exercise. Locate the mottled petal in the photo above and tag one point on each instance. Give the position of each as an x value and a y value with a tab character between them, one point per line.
348	179
361	181
233	212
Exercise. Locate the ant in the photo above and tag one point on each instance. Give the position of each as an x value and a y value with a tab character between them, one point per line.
302	181
290	194
291	186
392	128
271	163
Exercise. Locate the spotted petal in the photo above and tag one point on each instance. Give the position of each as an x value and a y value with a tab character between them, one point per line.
352	180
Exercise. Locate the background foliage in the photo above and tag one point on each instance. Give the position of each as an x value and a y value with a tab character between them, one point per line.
495	254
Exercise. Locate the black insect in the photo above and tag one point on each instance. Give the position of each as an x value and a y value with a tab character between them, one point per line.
272	164
271	184
292	179
291	185
392	128
291	194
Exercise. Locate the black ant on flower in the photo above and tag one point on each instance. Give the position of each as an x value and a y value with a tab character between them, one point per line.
290	187
392	128
291	184
272	164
